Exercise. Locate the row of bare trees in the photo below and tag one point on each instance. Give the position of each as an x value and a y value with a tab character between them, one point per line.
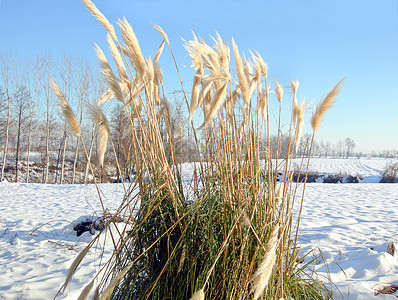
35	142
341	149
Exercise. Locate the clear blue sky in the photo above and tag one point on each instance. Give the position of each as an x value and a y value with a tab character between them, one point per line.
317	42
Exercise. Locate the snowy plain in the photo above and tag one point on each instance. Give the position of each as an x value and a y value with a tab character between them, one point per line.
350	224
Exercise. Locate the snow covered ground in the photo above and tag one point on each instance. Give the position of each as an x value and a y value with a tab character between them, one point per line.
351	224
37	241
370	169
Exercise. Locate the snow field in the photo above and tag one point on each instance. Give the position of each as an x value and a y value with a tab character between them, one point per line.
351	224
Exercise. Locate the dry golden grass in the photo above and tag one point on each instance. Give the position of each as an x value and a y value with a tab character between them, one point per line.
234	236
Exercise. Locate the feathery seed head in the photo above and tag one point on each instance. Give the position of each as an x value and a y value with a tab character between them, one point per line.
100	17
163	34
109	75
240	70
261	277
194	96
199	295
132	46
278	91
218	100
300	111
158	52
260	61
294	87
100	119
66	109
325	105
86	291
279	197
117	58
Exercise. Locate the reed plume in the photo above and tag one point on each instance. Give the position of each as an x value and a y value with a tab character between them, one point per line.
158	52
162	33
83	295
240	71
199	295
300	111
75	264
109	75
195	95
278	91
118	59
105	97
100	17
109	289
223	53
218	100
278	198
100	119
294	87
262	64
325	105
66	109
132	47
264	271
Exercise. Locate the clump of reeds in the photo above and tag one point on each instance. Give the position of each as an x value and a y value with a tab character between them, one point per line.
234	237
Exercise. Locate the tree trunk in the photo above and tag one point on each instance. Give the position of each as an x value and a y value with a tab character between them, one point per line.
89	155
75	161
46	155
63	158
6	142
38	66
29	142
18	143
50	66
59	157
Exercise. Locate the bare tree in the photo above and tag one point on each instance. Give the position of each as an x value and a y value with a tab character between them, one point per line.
9	78
340	146
21	106
67	83
82	94
120	134
93	134
3	109
35	73
49	68
349	145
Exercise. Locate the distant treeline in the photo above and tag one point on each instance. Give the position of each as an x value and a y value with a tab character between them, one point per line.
36	144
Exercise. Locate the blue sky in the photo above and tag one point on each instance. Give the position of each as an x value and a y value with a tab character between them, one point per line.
317	42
